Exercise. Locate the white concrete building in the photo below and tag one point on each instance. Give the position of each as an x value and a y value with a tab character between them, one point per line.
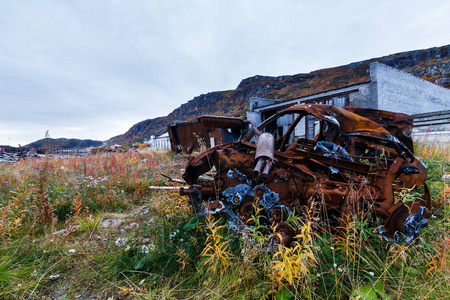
388	89
159	142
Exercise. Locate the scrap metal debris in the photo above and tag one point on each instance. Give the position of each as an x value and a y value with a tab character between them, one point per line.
351	167
11	154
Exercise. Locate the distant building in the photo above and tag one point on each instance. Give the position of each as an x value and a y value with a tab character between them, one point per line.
159	142
388	89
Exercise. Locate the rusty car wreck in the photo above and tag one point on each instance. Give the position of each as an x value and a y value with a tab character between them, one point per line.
353	166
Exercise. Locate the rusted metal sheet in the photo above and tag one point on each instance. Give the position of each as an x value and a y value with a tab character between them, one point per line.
197	135
188	136
398	124
352	167
235	124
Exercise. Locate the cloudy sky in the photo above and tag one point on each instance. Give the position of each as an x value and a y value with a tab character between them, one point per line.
92	69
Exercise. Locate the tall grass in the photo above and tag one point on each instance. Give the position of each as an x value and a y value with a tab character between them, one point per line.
90	227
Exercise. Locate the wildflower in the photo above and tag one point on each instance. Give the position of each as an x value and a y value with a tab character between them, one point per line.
371	273
335	265
145	249
332	248
340	269
121	241
72	251
174	233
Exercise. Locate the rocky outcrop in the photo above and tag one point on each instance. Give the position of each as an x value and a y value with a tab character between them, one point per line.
430	64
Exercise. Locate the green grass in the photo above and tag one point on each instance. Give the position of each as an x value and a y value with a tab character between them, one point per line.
90	227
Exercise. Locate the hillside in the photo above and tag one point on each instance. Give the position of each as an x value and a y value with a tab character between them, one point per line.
430	64
63	143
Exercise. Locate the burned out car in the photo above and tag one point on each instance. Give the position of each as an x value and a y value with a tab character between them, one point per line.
316	158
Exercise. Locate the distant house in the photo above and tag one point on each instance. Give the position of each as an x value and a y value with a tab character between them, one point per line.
388	89
115	147
159	142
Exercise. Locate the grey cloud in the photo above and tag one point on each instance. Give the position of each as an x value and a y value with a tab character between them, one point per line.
91	69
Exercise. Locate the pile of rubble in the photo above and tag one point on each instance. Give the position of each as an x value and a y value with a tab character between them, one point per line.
6	157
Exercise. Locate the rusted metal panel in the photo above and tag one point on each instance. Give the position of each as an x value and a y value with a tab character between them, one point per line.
398	124
235	124
196	135
351	167
188	136
173	136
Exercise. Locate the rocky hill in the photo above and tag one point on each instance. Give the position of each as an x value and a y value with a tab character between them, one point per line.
430	64
62	143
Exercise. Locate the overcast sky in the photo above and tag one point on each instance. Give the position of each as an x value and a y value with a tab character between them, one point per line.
92	69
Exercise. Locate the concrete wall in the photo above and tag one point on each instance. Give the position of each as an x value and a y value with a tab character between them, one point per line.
256	102
402	92
254	116
432	127
366	96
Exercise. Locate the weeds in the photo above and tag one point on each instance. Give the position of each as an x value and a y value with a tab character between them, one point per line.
293	264
441	260
217	253
89	227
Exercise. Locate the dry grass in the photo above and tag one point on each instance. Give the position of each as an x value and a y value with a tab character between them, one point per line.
89	227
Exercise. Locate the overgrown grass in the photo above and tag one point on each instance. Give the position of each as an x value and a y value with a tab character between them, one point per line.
90	227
